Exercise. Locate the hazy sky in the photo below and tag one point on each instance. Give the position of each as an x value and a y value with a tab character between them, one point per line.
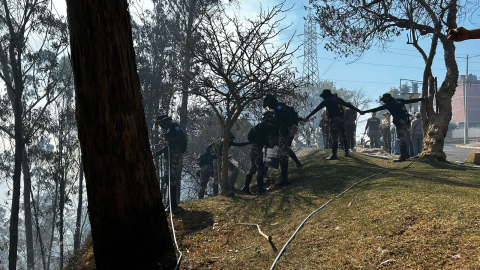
377	71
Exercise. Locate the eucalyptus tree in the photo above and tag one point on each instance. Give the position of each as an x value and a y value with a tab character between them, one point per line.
30	33
353	27
238	65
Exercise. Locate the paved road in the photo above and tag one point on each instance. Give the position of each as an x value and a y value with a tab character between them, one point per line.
455	153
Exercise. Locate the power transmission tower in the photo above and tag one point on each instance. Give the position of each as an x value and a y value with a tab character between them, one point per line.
310	65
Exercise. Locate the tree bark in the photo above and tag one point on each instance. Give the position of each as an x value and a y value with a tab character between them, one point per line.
128	221
435	125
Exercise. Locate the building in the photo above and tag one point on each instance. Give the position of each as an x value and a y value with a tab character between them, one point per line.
472	87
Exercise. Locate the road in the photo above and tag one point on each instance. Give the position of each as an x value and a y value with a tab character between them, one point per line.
455	153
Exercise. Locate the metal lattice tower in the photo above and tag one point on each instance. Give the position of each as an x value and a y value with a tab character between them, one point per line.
310	64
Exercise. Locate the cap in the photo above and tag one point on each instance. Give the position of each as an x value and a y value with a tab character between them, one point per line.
326	93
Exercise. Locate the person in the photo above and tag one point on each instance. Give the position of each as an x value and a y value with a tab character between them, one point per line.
350	120
386	133
263	134
174	140
337	128
461	34
270	116
401	120
287	129
373	127
417	134
205	162
232	168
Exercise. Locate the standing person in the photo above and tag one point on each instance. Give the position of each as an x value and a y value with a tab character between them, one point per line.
417	134
287	129
461	34
386	133
337	119
351	119
175	140
205	162
231	167
373	127
401	120
263	134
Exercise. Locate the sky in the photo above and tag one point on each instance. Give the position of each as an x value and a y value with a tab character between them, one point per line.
377	71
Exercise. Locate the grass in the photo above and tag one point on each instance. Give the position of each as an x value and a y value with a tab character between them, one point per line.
424	217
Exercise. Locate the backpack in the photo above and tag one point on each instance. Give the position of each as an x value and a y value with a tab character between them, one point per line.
294	114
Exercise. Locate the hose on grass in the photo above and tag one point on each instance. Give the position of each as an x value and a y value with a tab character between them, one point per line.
324	205
171	215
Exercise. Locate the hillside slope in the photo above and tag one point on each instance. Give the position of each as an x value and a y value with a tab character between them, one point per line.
424	217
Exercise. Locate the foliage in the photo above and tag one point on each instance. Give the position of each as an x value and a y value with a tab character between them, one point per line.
237	65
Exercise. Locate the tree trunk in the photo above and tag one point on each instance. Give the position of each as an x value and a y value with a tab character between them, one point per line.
435	125
16	64
186	82
61	203
223	176
77	237
128	221
54	220
27	184
39	230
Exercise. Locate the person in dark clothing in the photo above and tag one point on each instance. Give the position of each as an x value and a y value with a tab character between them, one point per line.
270	116
401	119
336	115
373	127
287	129
263	134
174	140
231	167
350	120
205	162
386	133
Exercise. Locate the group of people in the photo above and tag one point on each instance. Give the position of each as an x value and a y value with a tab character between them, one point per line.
277	128
279	125
376	129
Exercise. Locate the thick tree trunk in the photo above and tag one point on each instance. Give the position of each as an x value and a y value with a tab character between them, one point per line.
77	239
435	125
27	184
128	221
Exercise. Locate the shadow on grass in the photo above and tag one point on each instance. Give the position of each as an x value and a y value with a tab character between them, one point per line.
194	220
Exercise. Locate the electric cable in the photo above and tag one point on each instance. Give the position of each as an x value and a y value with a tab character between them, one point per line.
325	204
171	215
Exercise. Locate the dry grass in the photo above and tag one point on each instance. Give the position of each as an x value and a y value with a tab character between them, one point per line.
424	217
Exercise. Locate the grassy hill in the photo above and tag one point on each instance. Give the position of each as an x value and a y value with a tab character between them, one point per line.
424	217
